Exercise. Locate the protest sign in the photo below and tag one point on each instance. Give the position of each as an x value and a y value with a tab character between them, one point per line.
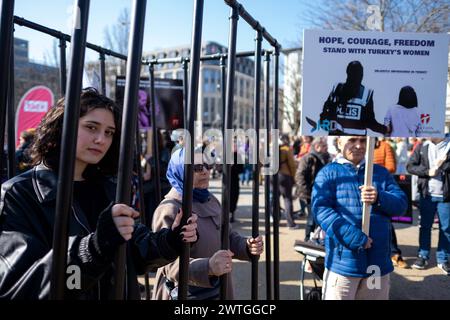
32	107
168	102
374	83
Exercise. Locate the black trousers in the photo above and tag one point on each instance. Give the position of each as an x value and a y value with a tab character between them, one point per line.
394	245
286	184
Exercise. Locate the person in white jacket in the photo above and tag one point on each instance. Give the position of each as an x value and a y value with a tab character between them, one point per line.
402	155
403	118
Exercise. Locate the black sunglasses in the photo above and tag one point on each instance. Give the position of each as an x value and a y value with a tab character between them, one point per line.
360	140
199	167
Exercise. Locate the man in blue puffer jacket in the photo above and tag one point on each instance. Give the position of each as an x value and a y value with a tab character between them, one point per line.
357	266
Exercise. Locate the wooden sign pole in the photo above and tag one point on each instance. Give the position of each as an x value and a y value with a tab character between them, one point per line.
368	173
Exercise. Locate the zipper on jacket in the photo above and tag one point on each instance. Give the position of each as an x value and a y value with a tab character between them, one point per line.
340	249
79	221
88	231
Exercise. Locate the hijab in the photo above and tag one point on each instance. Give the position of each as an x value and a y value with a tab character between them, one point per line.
175	175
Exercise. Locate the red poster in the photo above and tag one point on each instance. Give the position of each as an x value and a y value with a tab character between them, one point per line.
32	107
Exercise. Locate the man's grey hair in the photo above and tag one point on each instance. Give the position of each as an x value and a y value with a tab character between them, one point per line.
316	141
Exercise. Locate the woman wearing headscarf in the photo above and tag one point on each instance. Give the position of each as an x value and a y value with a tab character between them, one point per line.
403	118
207	261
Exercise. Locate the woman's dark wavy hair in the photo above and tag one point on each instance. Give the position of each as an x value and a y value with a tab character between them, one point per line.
407	97
47	144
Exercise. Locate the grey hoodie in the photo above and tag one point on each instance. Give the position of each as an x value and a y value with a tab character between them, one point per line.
435	153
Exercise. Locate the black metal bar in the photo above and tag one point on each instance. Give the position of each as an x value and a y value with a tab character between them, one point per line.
102	73
211	57
157	174
267	179
35	26
165	60
62	36
189	143
11	119
129	120
106	51
185	65
289	50
143	216
228	124
256	166
58	34
251	21
276	192
6	44
62	65
68	150
223	92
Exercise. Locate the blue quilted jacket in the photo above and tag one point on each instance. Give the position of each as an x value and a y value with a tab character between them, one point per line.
337	207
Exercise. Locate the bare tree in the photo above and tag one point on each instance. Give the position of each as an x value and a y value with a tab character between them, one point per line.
291	104
116	37
291	69
51	58
395	15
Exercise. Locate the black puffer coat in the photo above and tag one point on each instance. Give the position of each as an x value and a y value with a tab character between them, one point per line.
307	171
418	165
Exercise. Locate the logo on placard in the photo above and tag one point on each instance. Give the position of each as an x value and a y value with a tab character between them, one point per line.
352	112
35	106
425	118
325	125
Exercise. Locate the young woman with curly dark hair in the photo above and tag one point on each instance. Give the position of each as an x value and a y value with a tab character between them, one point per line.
97	226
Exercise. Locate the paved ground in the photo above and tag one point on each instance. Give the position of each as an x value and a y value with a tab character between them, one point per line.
406	284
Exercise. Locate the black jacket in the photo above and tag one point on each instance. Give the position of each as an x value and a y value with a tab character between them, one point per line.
307	170
418	165
27	210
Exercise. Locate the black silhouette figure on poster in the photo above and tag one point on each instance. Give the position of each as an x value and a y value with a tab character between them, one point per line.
349	108
403	119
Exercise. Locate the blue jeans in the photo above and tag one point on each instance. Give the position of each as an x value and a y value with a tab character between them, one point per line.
428	207
246	175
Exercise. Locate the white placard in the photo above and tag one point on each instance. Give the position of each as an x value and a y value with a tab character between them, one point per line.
398	69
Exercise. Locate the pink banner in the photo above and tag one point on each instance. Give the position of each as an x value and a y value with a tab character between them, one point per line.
32	107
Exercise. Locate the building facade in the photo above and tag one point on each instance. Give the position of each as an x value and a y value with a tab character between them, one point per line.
292	90
210	104
28	74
